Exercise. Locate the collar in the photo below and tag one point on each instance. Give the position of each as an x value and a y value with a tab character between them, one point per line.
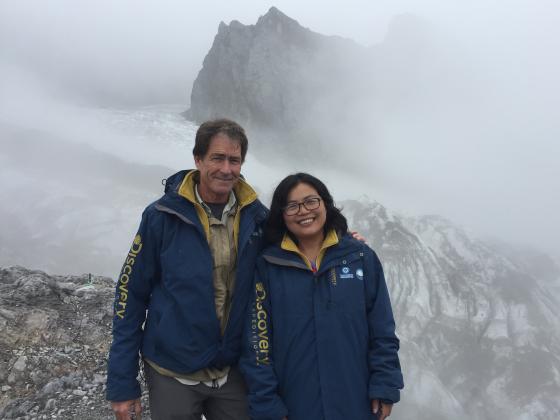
331	239
244	193
228	209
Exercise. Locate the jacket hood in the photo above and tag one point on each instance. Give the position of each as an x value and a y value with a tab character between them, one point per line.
173	182
179	183
180	198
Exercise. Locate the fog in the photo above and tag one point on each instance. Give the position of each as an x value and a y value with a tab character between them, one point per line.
458	116
486	160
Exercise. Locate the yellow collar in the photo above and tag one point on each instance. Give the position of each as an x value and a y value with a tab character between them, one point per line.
330	239
244	193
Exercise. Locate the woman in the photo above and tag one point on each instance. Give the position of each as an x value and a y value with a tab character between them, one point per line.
321	339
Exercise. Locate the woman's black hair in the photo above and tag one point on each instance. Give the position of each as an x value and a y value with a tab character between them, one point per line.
276	228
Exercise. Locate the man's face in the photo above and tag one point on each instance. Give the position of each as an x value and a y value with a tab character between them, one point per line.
219	169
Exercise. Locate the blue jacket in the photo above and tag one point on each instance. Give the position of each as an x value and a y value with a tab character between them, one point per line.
168	273
320	345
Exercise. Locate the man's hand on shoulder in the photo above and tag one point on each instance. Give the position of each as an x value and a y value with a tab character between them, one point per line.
356	235
127	410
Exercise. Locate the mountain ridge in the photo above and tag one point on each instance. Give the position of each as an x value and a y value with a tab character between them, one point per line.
468	314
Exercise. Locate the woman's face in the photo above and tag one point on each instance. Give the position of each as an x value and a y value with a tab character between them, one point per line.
305	224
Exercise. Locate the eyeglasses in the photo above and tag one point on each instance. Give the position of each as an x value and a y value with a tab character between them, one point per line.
310	203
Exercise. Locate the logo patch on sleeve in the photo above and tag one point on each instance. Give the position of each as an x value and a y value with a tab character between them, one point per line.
126	273
259	327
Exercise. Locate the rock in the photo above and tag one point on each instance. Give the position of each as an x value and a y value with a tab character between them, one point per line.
99	379
37	320
4	372
51	404
20	364
37	377
7	314
79	392
52	387
6	388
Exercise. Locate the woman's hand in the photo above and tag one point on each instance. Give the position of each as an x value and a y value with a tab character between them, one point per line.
382	409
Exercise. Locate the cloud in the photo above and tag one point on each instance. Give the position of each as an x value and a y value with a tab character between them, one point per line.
486	159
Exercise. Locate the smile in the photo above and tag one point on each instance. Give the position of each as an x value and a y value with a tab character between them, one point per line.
306	221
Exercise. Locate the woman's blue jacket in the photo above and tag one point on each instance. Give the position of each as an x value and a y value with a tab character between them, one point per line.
320	345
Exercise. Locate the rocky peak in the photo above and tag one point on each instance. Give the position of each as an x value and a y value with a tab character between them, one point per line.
275	16
274	21
285	83
267	76
222	28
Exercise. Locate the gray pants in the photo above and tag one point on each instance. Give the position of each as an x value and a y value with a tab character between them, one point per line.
171	400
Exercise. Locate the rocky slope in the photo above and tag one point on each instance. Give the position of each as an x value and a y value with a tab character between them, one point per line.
54	339
479	325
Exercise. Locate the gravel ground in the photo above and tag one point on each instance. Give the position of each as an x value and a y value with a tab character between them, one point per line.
55	334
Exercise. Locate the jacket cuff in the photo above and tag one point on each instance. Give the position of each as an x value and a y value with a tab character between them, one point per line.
272	410
117	392
384	394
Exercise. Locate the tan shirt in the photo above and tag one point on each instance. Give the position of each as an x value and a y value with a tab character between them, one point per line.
224	253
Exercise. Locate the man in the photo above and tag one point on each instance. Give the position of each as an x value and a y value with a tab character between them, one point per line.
183	289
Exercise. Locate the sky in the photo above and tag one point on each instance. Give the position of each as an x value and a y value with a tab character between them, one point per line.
501	179
115	47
